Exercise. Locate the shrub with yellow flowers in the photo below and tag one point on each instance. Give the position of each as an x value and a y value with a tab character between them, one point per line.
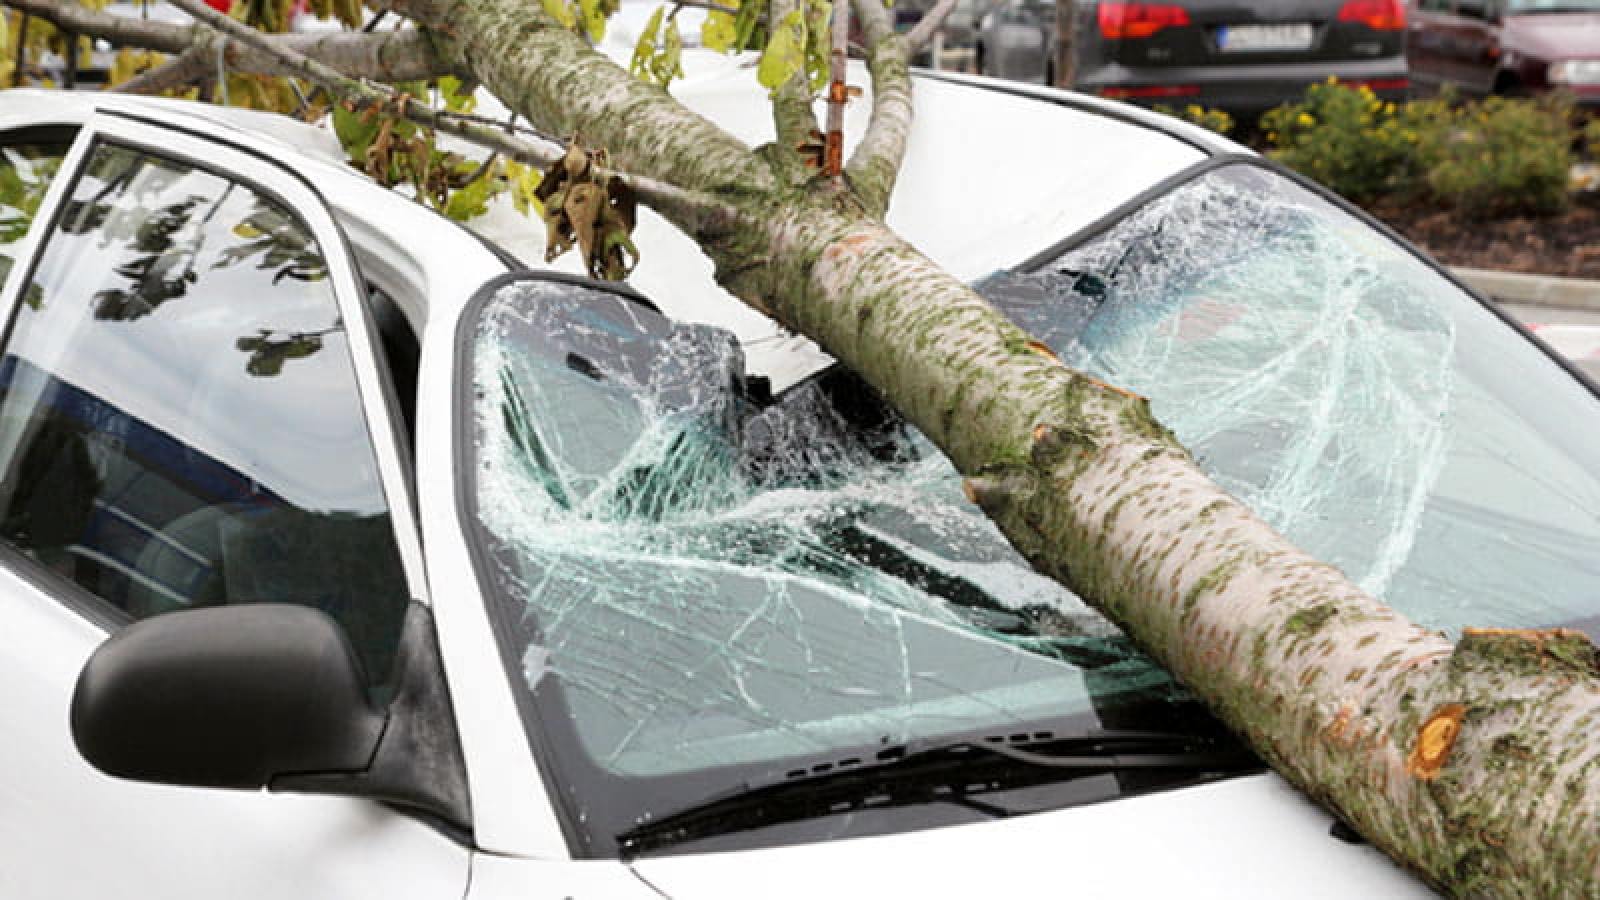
1351	140
1496	156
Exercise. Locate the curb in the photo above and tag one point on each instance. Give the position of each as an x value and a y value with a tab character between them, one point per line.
1535	290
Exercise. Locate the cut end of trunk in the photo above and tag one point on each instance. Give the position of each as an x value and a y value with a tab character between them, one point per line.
1435	739
1529	651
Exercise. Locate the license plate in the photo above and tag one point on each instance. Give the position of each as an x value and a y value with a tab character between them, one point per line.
1235	38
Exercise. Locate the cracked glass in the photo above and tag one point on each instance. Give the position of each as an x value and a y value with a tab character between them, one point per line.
1368	408
698	587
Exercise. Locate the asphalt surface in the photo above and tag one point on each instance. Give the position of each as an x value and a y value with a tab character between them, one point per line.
1551	315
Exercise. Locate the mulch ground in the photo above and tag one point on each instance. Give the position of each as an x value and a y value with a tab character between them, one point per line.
1566	244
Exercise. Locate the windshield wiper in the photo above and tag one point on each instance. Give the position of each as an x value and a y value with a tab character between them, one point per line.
952	772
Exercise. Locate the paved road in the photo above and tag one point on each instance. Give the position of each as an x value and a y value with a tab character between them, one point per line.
1550	315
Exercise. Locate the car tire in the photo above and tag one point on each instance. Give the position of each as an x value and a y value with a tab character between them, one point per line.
1508	85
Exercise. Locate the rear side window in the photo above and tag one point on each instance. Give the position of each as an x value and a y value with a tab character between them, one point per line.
179	419
27	166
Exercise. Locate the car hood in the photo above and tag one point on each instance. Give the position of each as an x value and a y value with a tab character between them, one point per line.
1551	36
1253	836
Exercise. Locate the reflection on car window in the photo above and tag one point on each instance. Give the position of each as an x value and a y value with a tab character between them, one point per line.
179	419
26	170
693	589
1368	408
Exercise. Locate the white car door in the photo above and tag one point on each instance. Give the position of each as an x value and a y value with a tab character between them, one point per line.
190	414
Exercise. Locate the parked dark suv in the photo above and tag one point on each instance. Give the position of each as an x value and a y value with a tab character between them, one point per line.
1242	57
1508	46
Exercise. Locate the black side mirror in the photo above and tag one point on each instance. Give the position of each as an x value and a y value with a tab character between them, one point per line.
227	697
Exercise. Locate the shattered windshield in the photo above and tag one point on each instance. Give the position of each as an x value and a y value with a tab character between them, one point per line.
1366	407
699	587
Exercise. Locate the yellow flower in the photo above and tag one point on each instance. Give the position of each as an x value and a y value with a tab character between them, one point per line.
1306	119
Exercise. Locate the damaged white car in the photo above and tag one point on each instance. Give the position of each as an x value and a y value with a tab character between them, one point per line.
511	584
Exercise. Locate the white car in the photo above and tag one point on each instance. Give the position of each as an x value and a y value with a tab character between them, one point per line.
511	584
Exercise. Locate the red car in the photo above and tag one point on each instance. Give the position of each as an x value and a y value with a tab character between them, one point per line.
1510	47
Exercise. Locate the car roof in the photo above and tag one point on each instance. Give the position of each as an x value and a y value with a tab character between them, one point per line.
995	173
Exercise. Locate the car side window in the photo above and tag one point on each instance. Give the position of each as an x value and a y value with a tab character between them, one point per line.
27	166
179	419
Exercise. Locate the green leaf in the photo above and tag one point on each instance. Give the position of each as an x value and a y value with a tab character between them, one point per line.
747	23
561	11
470	201
669	64
645	50
594	19
785	53
524	183
717	31
355	130
454	98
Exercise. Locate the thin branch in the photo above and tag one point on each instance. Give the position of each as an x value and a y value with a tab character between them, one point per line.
838	91
923	31
793	116
706	5
22	51
876	25
666	198
875	164
400	55
180	71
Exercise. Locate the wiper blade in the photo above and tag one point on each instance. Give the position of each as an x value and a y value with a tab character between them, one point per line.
942	772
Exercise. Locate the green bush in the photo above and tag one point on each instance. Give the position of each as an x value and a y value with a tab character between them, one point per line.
1350	140
1502	156
1493	157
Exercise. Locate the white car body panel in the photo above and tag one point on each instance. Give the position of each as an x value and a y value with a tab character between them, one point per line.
1245	837
1253	836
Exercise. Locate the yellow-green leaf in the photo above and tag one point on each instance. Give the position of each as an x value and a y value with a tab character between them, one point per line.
669	64
785	53
454	98
524	183
594	19
717	31
747	24
645	50
561	11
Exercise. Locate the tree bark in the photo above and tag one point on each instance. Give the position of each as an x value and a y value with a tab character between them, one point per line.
1472	763
1066	61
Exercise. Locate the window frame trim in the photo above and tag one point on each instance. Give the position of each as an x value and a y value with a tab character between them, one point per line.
270	178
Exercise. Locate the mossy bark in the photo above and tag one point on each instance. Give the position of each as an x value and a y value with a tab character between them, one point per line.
1475	764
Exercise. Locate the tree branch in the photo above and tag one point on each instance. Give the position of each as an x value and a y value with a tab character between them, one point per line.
177	72
793	117
923	32
667	198
554	79
876	162
838	90
400	55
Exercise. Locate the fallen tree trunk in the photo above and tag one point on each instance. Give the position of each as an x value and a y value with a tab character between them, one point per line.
1471	763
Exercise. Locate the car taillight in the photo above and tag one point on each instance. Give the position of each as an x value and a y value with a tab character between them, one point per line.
1121	21
1152	90
1379	15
